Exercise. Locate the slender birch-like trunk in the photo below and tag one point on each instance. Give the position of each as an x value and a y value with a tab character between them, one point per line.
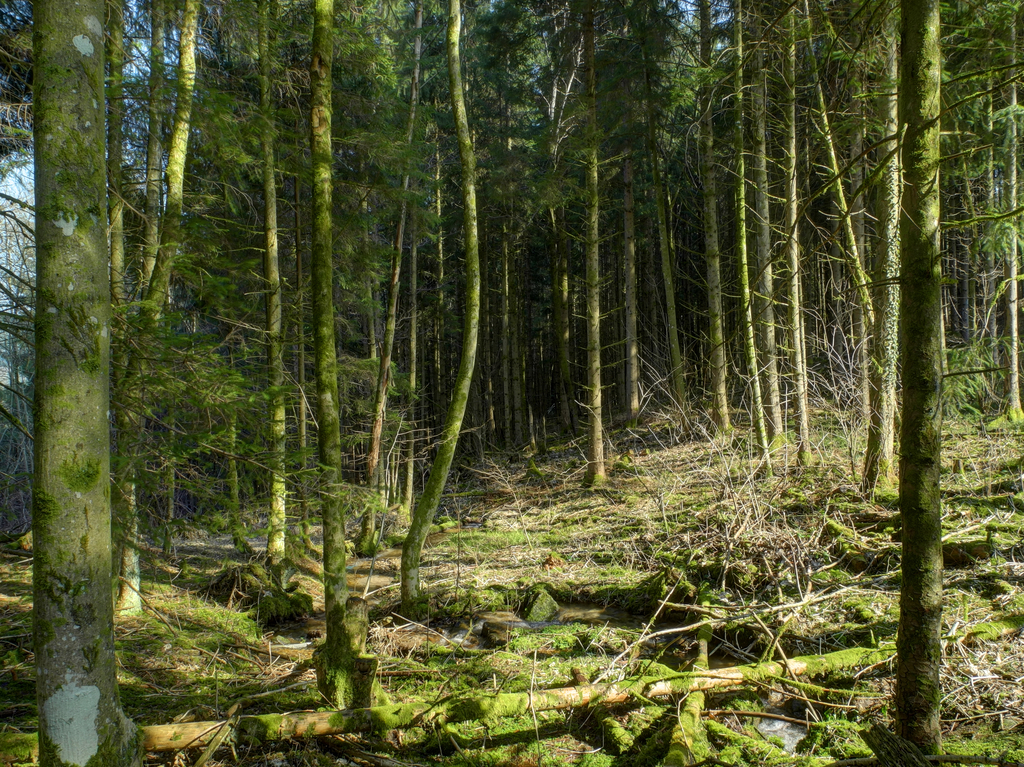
276	520
170	228
757	413
595	450
1014	413
676	374
629	259
122	491
154	145
879	457
366	533
712	251
423	516
410	459
764	297
793	260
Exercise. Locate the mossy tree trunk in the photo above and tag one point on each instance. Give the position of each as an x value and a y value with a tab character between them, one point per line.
918	645
408	490
373	477
80	716
712	251
793	259
177	153
301	413
272	274
560	303
629	269
154	144
879	458
122	490
423	515
757	413
595	448
1014	413
336	677
675	355
764	295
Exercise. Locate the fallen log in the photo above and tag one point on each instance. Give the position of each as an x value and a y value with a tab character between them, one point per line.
463	708
489	707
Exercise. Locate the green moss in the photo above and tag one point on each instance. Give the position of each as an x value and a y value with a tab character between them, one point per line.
79	477
838	738
19	746
44	508
995	629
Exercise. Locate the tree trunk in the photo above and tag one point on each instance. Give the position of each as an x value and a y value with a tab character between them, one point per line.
122	492
80	716
408	491
595	449
764	301
676	373
336	677
757	414
560	309
918	645
712	252
366	533
170	229
506	342
424	514
793	260
154	146
1014	414
850	251
879	458
301	427
276	519
629	257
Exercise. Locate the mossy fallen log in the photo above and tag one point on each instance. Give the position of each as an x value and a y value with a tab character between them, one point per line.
491	707
464	708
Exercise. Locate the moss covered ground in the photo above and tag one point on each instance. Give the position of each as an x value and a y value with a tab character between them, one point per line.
543	583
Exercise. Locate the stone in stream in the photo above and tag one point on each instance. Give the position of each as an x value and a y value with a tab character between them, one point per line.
539	605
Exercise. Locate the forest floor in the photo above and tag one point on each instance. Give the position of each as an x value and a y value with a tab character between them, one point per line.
537	582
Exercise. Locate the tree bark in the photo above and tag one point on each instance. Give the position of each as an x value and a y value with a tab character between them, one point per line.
122	491
80	716
276	520
793	260
380	400
1014	414
595	450
560	309
335	675
879	458
712	252
676	372
764	297
410	461
170	229
757	413
426	508
629	258
918	645
154	145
